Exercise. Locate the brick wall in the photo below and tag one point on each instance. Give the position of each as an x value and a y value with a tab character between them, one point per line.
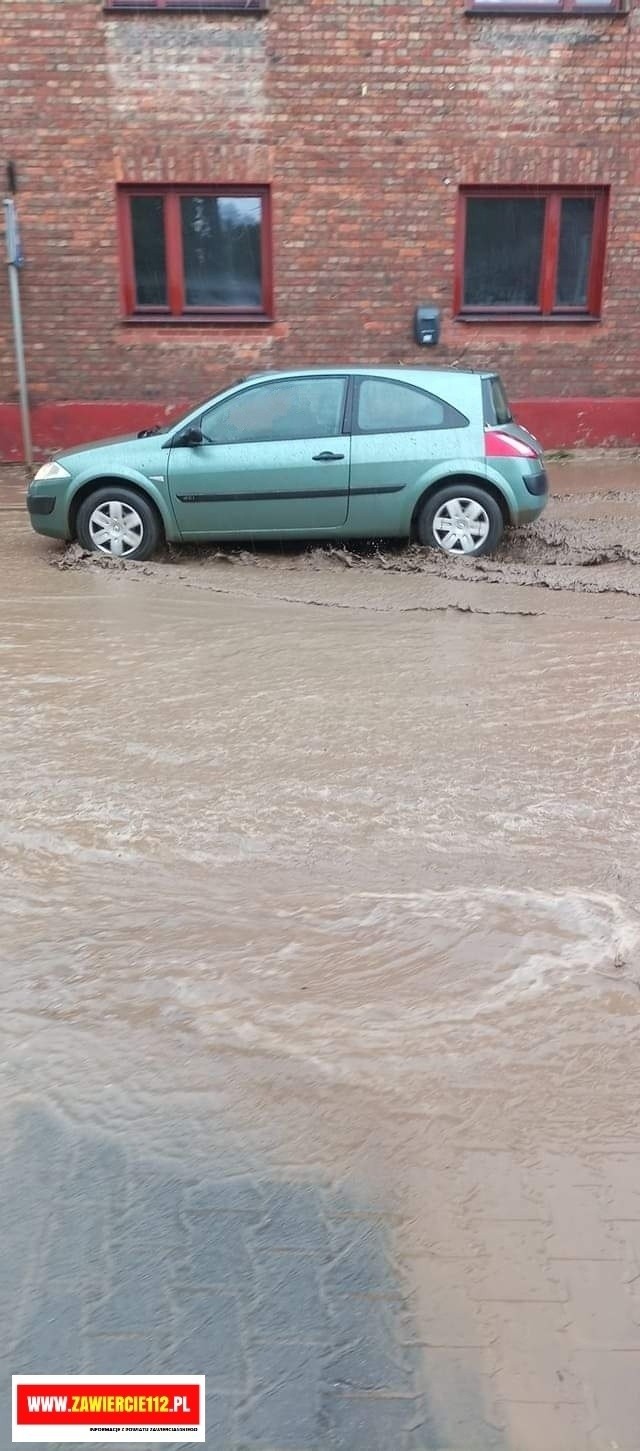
365	118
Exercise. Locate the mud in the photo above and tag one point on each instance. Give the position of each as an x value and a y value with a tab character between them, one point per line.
331	858
586	544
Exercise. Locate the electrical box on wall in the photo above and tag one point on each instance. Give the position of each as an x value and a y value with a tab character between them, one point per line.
427	325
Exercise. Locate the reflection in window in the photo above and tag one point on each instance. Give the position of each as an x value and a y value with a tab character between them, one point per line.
273	412
503	251
221	251
568	7
576	230
149	260
385	406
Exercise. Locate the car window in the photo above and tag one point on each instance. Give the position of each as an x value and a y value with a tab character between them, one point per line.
288	408
385	406
500	402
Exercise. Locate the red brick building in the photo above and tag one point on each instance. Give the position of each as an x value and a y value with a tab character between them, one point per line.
208	190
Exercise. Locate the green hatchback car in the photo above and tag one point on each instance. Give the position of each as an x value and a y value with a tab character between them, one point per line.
335	453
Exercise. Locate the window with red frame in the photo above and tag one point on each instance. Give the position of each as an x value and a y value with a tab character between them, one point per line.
194	5
530	252
196	253
547	7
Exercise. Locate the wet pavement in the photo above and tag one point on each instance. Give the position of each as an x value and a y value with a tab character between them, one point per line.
319	886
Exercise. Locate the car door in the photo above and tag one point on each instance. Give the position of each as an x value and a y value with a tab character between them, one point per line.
274	460
399	429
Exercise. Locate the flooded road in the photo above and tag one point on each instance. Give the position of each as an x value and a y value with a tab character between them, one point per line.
320	885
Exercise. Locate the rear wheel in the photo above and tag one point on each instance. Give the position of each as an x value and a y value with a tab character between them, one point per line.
462	519
119	523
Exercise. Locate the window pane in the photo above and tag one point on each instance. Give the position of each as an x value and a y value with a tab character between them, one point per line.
503	251
147	226
274	412
385	406
222	254
528	4
500	401
574	256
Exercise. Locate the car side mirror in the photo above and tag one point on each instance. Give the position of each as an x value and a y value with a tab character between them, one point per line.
189	439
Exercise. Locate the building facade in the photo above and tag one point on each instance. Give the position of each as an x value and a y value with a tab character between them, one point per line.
209	189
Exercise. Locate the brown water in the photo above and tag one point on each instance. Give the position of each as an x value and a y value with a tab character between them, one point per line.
343	851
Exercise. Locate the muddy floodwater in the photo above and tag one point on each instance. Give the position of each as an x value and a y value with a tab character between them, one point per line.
319	879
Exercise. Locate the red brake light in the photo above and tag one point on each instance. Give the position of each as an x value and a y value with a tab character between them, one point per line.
503	445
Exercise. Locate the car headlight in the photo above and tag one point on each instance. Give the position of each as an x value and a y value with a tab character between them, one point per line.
52	470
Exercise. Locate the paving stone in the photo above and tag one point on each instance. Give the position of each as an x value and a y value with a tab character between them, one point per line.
236	1195
613	1378
32	1188
284	1408
359	1258
541	1324
206	1338
369	1355
445	1311
580	1229
125	1355
627	1233
622	1186
603	1310
146	1255
534	1427
292	1219
459	1403
377	1423
499	1187
288	1304
360	1194
519	1280
427	1432
216	1251
157	1193
548	1377
220	1422
101	1171
51	1342
76	1251
140	1299
518	1239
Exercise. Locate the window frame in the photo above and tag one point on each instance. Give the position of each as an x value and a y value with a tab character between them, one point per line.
450	412
560	8
545	310
159	7
176	312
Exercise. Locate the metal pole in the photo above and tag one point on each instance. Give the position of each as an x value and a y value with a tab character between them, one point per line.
16	318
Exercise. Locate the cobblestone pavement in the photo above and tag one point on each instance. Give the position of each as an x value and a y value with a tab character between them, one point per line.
291	1300
285	1297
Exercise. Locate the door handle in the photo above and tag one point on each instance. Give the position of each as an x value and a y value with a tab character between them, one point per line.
327	458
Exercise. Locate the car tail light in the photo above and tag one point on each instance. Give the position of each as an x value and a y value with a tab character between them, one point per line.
503	445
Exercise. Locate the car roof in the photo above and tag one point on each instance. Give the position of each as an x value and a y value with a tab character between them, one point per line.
401	370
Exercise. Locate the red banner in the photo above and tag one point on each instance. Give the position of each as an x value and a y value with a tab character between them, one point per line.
162	1406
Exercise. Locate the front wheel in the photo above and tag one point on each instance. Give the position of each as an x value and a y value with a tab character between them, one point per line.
118	522
462	519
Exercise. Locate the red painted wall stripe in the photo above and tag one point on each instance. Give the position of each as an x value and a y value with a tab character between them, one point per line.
557	422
